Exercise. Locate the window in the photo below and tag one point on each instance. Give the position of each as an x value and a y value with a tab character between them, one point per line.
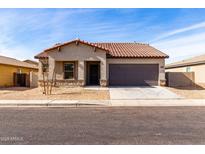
188	69
69	71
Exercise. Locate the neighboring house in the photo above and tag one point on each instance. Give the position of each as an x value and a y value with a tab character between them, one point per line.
80	63
31	62
195	64
14	72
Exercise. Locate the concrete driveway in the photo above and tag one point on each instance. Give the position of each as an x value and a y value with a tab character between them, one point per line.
155	92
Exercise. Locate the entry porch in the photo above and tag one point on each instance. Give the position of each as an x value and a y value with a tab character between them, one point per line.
77	73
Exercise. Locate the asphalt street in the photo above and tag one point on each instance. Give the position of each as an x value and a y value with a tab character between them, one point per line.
103	125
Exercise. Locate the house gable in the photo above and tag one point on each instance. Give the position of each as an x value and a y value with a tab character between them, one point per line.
77	52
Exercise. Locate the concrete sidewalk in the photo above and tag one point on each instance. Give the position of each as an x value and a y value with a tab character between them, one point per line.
53	103
101	103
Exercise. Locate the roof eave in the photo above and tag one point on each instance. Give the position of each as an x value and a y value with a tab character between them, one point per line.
30	67
158	57
185	64
80	41
39	57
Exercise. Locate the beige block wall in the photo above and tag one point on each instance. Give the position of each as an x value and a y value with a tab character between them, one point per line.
80	53
180	79
198	69
180	69
160	61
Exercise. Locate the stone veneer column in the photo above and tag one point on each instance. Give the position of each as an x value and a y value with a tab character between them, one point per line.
40	73
51	66
103	74
81	72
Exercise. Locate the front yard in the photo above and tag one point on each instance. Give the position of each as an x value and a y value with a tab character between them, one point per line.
189	92
18	93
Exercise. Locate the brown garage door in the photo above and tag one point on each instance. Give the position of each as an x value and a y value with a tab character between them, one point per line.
133	74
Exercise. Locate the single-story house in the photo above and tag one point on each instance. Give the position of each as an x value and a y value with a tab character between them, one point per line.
14	72
80	63
195	64
31	62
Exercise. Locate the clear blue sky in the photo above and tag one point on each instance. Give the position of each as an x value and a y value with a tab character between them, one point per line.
178	32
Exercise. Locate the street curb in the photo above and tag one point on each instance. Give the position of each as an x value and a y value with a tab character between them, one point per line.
101	103
53	103
159	103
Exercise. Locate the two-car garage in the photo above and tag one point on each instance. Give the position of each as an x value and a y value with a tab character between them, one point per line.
133	74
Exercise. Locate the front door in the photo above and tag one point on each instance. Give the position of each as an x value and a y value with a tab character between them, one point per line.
94	74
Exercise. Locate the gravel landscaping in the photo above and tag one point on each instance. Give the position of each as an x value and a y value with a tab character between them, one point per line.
17	93
189	92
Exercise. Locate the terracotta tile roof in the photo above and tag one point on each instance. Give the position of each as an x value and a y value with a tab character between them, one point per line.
129	50
14	62
42	55
136	50
188	62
